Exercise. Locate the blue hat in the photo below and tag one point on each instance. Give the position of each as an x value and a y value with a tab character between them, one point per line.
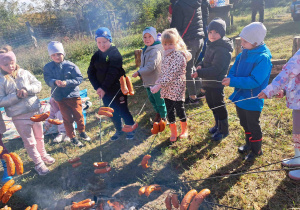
103	32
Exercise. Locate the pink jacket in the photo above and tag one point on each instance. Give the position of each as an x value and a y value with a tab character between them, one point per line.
289	80
172	78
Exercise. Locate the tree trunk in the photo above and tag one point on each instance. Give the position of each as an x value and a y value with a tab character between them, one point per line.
137	55
237	46
296	44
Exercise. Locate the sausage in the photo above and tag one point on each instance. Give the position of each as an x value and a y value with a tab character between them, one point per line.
123	84
84	201
142	190
1	149
28	208
5	187
10	192
155	128
187	199
151	188
129	86
144	162
34	207
10	164
105	113
100	164
40	117
168	202
102	170
198	199
107	109
129	128
18	163
55	121
75	165
83	205
162	125
74	160
175	201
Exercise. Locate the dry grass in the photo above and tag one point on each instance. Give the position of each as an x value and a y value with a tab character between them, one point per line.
172	166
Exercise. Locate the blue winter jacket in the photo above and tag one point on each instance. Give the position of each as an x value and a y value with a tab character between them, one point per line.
64	71
249	75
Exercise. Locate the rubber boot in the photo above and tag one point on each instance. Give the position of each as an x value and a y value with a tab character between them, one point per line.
184	130
215	128
295	162
222	131
295	175
246	147
255	149
173	129
5	176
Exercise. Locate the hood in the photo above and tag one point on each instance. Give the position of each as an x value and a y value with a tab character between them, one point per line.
260	49
192	3
224	42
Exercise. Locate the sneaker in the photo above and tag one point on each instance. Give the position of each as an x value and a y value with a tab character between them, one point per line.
251	156
60	136
48	160
191	101
42	169
76	142
117	135
67	139
130	135
84	136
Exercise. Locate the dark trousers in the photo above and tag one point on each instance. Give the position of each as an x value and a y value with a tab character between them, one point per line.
5	151
261	12
121	110
173	106
195	47
215	98
249	120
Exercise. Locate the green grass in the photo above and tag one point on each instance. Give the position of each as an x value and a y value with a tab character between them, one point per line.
172	166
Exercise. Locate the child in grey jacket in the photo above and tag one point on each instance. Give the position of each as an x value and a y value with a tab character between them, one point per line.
150	70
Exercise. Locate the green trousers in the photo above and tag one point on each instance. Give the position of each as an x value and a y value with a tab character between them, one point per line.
157	102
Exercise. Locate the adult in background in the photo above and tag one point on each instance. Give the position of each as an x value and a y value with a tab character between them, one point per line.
187	16
258	6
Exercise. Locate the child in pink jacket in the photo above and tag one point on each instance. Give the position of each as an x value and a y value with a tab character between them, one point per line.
288	81
172	80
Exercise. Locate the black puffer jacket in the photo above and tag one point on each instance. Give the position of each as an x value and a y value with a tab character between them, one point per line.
256	4
216	62
105	70
183	11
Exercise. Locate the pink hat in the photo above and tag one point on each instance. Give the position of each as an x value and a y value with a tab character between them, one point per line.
6	57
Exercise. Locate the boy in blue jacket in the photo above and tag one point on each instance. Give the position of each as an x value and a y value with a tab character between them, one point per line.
249	76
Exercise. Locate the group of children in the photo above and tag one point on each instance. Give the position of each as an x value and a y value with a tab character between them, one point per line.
163	72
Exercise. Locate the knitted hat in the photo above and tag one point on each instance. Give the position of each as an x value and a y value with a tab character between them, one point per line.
103	32
151	31
219	25
254	33
7	57
55	47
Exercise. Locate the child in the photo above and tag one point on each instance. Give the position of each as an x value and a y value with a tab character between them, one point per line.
104	73
150	69
55	113
214	67
172	81
18	96
250	75
5	176
289	80
64	77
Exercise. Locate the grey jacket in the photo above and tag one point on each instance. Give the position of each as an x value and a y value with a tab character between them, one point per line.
151	64
8	93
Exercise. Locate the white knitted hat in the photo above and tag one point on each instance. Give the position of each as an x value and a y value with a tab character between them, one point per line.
151	31
55	47
254	33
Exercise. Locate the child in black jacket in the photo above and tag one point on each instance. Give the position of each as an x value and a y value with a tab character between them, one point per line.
213	69
104	73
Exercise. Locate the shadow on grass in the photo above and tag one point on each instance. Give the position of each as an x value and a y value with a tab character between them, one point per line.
281	30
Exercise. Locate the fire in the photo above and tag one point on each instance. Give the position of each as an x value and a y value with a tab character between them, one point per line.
116	205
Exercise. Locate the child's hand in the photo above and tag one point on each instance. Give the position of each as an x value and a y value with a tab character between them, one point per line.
22	93
63	84
135	74
262	95
194	75
226	81
100	93
199	67
280	94
155	88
